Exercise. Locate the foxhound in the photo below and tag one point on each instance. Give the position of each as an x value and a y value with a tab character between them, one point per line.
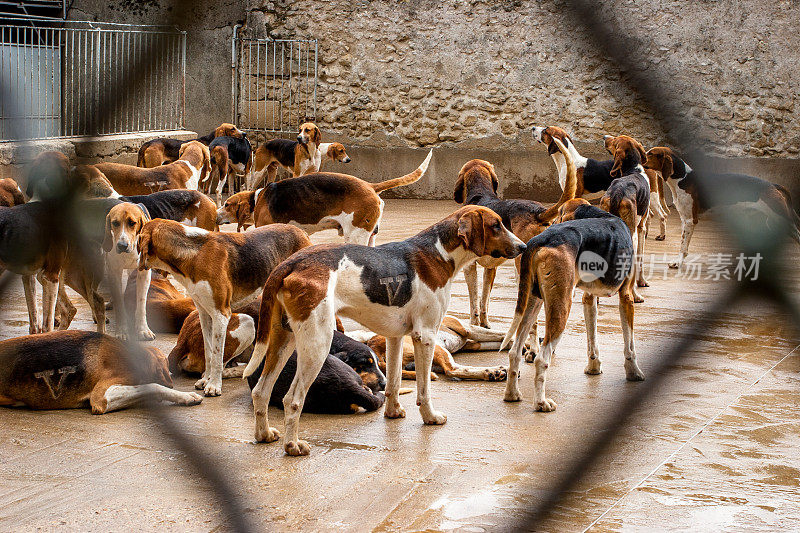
693	196
10	193
317	202
157	152
396	289
219	271
477	185
191	168
67	369
591	249
332	151
298	157
229	156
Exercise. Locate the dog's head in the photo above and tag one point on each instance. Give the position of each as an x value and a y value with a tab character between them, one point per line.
476	174
200	157
626	150
228	130
91	183
364	361
546	134
481	231
156	367
309	132
48	176
659	158
337	152
123	224
567	209
238	208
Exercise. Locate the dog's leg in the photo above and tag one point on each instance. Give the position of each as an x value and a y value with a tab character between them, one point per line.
529	317
207	329
29	284
49	294
313	339
280	347
143	332
443	359
424	343
98	305
394	373
488	282
590	318
115	276
107	397
471	277
558	304
67	309
632	370
219	329
683	205
641	232
533	338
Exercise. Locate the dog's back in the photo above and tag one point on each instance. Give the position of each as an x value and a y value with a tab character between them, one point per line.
25	234
283	150
239	149
636	187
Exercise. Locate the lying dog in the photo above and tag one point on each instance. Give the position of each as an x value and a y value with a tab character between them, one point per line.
229	155
693	197
396	289
10	193
219	271
452	337
317	202
628	197
67	369
157	152
187	172
298	157
556	261
477	185
167	307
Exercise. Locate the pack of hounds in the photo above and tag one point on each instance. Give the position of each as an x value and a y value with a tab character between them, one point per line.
265	304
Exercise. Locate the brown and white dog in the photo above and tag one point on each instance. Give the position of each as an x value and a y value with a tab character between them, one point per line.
298	157
567	255
694	195
396	289
316	202
219	271
68	369
157	152
332	151
452	337
477	185
10	193
192	167
167	307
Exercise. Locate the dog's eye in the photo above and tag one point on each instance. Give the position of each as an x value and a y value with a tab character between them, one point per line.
115	223
131	223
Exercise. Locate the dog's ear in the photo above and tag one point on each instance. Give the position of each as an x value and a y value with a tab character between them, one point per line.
459	192
642	153
316	136
471	232
339	325
495	181
666	165
243	210
143	247
206	170
619	157
108	238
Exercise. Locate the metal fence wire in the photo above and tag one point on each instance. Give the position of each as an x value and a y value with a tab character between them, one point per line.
120	91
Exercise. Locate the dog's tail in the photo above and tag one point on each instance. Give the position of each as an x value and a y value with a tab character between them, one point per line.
140	159
790	206
526	271
404	180
270	334
570	187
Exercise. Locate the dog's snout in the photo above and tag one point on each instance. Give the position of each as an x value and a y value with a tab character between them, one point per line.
299	138
346	160
521	247
122	247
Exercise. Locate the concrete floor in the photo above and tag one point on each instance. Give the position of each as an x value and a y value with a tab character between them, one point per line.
715	448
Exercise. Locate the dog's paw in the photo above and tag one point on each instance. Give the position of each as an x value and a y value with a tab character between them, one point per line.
512	395
547	405
434	377
190	398
593	368
530	355
269	435
213	388
123	336
633	373
434	418
661	237
495	374
674	265
200	384
394	411
637	299
296	448
642	283
146	334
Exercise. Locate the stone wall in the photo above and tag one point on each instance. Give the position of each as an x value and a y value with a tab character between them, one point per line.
432	71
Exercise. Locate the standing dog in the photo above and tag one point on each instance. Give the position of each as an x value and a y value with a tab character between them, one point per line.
693	196
229	154
332	151
556	261
298	157
396	289
219	271
477	185
157	152
317	202
67	369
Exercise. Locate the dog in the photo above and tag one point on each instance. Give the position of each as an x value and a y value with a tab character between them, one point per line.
316	202
83	271
451	338
167	307
332	151
477	185
557	260
693	196
628	197
157	152
396	289
10	193
219	271
191	168
67	369
229	154
298	157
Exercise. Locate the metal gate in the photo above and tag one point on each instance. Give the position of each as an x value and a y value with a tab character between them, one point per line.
274	85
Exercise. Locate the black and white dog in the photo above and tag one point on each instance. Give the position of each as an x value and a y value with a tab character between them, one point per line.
229	156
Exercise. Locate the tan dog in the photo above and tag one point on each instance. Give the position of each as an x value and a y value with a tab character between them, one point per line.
10	193
159	151
219	271
332	151
317	202
67	369
298	157
187	172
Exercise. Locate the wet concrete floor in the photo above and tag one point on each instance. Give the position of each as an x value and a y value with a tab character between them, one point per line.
713	448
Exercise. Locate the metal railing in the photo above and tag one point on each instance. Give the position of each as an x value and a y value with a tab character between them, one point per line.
57	74
274	85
